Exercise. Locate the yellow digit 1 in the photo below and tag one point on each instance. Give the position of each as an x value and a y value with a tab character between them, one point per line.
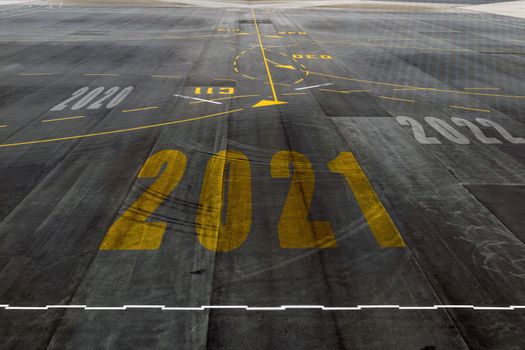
382	226
295	229
131	231
212	232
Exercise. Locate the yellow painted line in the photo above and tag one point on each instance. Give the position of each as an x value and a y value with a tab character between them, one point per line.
413	87
344	91
60	119
248	77
139	109
166	76
34	74
101	74
281	84
225	98
396	99
3	126
481	88
236	70
302	65
118	131
471	109
270	80
298	81
225	79
294	93
283	54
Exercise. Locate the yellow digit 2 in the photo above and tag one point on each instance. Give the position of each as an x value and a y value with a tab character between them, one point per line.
131	231
295	229
382	226
212	232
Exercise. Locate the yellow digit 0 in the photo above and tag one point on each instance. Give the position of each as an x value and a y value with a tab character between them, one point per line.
212	232
295	229
131	231
380	223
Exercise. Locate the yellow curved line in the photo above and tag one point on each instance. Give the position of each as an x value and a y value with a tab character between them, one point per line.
118	131
412	87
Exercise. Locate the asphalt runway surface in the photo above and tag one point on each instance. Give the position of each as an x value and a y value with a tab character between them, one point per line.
187	177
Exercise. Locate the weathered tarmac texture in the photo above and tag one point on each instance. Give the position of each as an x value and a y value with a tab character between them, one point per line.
82	225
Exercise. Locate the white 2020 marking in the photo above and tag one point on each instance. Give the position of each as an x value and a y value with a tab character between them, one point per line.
86	96
450	133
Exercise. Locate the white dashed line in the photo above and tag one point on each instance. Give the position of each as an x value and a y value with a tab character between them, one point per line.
198	99
313	86
263	308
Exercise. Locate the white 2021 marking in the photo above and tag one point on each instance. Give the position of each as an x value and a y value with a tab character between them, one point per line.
450	133
85	98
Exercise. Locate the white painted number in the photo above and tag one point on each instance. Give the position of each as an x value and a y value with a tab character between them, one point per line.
120	97
86	97
451	134
417	129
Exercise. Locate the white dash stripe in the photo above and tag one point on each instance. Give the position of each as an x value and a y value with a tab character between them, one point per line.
198	99
263	308
313	86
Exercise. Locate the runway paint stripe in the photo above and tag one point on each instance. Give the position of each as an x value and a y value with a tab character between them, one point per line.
118	131
225	79
344	91
313	86
3	126
61	119
197	99
294	93
102	74
139	109
480	88
412	87
34	74
396	99
166	76
226	98
471	109
263	308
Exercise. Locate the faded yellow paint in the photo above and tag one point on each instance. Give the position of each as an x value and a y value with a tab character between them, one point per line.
295	228
131	231
379	221
213	234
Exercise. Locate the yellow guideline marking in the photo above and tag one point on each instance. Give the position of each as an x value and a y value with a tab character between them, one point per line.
213	233
264	103
118	131
248	77
396	99
34	74
224	98
471	109
166	76
60	119
282	84
298	81
131	231
273	36
139	109
344	91
412	87
101	74
380	223
294	93
226	79
480	88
